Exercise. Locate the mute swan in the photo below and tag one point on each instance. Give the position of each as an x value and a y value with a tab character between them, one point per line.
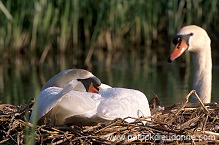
196	40
61	103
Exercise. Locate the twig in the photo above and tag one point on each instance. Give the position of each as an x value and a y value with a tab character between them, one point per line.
201	102
12	138
109	125
211	133
62	140
187	123
205	122
2	141
187	100
166	130
74	131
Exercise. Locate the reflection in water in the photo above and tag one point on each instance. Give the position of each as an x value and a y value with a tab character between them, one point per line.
21	82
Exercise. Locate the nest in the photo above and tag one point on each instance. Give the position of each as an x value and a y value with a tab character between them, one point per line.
182	123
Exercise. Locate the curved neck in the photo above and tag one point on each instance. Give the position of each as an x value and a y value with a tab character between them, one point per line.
203	73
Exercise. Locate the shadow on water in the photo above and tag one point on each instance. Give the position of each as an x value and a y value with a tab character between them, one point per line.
22	81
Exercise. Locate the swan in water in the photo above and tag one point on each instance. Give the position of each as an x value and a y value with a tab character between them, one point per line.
196	40
77	97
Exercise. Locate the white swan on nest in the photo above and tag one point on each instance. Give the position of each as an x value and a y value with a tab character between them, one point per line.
66	99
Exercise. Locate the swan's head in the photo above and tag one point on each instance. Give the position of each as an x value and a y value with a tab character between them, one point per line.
86	81
82	80
191	38
90	84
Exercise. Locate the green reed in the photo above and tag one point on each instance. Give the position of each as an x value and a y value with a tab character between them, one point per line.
88	29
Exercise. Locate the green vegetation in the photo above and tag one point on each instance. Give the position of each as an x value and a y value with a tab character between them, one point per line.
97	30
39	38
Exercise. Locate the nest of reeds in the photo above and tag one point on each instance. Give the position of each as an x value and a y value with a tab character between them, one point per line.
182	123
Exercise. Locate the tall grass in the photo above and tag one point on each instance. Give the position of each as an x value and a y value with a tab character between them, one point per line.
98	29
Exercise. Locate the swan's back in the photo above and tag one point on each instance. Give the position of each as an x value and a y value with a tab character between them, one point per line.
121	103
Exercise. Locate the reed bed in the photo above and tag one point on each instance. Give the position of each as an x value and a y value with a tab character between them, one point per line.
180	123
97	30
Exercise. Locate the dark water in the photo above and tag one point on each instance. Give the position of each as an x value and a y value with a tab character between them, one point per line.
22	81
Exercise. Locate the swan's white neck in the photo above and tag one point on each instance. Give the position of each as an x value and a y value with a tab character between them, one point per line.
203	73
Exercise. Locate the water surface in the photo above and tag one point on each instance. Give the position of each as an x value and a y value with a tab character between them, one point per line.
21	82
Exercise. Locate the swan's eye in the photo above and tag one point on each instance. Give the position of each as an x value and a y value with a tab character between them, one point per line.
177	40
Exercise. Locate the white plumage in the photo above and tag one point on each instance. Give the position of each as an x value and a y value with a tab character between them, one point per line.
67	106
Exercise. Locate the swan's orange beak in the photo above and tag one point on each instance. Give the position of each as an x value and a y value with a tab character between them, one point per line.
178	50
92	89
